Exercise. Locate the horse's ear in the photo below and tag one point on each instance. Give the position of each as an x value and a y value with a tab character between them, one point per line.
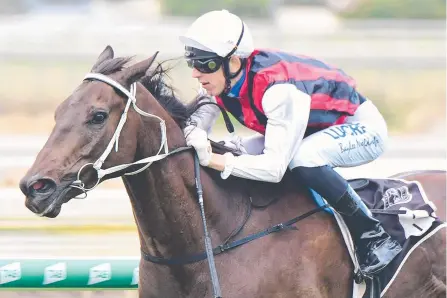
107	54
137	71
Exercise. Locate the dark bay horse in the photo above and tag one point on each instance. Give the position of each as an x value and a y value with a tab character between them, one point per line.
311	261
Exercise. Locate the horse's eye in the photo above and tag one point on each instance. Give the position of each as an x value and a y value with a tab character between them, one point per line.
99	117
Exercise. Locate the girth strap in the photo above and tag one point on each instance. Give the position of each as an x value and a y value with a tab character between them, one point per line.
193	258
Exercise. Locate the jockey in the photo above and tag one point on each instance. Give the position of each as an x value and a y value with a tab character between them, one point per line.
308	116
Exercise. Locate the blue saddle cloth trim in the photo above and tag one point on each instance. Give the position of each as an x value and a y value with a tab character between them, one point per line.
319	201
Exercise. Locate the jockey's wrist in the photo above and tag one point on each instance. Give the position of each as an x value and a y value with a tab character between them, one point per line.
217	162
229	165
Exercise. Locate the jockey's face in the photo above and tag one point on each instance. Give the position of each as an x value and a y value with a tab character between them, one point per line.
214	82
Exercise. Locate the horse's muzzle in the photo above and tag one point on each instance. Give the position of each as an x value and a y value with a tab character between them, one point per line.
40	196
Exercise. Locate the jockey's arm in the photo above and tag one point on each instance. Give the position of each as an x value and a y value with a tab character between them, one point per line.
287	110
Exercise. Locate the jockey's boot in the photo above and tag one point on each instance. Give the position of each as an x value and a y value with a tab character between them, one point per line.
375	247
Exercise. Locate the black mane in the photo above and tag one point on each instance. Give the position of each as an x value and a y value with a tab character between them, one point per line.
156	83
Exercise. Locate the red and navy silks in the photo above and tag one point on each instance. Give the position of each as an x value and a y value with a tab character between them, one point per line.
333	92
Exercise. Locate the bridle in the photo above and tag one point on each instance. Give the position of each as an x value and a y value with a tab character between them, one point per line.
161	153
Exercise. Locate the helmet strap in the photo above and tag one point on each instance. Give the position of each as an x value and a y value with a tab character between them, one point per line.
228	75
226	69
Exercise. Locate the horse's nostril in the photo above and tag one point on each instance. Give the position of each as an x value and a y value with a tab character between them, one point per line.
38	185
41	186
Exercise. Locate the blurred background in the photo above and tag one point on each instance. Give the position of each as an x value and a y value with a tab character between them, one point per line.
395	49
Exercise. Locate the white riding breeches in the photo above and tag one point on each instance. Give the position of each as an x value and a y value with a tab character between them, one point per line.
359	141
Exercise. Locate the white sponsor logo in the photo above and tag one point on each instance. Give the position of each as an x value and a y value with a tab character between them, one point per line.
10	273
394	196
135	276
100	273
55	273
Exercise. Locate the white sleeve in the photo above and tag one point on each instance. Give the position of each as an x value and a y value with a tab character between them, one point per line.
287	110
205	116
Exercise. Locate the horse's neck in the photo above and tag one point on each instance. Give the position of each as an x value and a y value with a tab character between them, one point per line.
164	199
165	206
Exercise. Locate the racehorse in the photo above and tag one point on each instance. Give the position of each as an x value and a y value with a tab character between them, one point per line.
91	143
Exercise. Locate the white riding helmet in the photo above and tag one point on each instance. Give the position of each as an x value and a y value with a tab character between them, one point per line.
218	32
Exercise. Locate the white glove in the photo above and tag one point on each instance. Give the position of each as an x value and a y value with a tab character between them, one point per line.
198	138
234	142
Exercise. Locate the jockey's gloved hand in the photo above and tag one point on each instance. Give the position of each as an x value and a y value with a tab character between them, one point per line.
189	127
234	142
198	138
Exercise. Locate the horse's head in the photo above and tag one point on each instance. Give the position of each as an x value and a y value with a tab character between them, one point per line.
86	132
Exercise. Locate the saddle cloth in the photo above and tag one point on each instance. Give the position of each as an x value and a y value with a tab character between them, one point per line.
406	214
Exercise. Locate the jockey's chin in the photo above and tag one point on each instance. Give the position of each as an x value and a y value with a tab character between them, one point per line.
213	89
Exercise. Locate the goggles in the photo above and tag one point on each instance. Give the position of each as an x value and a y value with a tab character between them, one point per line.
206	65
